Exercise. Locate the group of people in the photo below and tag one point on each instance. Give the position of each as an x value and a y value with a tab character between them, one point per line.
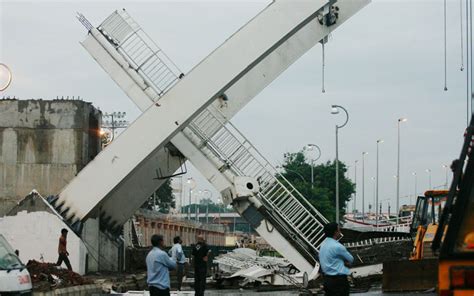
159	263
334	259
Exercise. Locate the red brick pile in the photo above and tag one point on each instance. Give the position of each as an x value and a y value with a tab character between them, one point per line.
47	276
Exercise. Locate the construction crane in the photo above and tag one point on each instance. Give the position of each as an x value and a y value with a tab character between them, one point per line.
187	117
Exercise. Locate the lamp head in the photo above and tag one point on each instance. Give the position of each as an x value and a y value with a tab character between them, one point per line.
334	109
402	119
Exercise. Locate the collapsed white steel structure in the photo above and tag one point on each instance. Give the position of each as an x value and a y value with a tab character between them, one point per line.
187	117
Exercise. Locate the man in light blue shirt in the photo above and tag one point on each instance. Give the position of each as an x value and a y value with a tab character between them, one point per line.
158	264
334	259
177	254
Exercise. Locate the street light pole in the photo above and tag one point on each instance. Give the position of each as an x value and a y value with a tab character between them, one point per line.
335	110
377	186
446	167
207	204
429	177
415	193
400	120
311	147
363	184
374	194
192	185
355	186
196	207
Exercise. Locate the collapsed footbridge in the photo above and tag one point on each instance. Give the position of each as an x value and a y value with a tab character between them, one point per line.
186	117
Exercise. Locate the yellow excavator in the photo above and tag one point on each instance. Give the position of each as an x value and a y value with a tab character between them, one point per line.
425	222
420	271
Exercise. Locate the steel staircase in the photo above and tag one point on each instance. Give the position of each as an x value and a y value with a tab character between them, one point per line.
234	155
139	50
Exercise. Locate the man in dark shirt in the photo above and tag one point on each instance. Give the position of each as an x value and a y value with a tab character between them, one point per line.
62	250
200	252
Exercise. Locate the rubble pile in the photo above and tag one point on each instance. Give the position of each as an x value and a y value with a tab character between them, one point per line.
47	276
246	267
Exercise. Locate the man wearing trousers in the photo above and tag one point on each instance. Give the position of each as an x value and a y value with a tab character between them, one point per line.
200	252
335	260
177	255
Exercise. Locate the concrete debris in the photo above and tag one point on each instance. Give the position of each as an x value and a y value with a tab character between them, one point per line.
47	276
247	267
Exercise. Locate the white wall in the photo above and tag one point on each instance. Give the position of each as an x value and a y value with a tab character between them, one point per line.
36	234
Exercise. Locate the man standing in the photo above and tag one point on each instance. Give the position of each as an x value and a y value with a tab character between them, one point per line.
62	250
158	264
177	254
335	260
200	252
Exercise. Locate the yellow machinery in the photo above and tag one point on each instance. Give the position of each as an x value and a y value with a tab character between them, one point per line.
420	272
425	222
454	238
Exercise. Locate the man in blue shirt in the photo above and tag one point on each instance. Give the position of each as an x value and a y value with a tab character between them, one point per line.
158	264
177	254
335	260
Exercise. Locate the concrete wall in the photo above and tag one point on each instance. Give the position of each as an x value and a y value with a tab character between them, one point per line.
36	236
43	145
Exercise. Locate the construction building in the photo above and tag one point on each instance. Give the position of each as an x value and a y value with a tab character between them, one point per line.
43	145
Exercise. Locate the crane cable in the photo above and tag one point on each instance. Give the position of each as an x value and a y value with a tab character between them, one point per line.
445	51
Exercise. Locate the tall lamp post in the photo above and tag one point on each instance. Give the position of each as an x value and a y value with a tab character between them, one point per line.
191	184
400	120
374	194
415	193
209	193
335	110
313	147
196	206
446	167
363	184
377	186
355	186
429	177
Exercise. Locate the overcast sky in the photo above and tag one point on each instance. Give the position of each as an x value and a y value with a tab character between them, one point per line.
384	63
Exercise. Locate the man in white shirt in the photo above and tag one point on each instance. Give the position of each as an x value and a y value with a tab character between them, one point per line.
177	255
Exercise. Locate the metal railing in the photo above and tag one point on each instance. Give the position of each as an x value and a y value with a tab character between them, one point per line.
139	50
288	207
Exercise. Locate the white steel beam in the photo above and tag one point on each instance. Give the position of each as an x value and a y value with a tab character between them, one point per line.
140	184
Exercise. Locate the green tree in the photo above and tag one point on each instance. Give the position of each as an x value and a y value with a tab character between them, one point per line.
297	170
162	200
